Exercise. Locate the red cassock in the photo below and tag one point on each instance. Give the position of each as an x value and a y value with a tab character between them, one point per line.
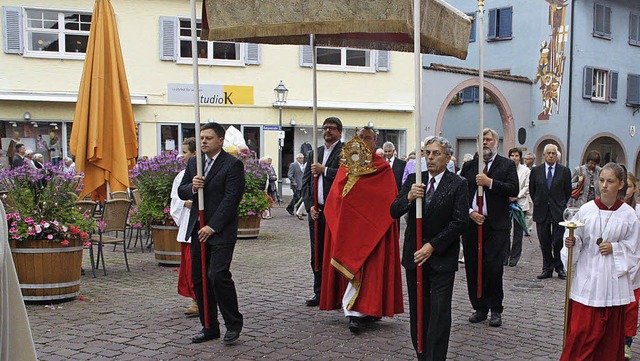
362	244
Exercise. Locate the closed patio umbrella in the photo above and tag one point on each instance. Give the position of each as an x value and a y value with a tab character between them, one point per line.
103	137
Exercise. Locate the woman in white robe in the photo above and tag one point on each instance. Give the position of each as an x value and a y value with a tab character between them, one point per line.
604	254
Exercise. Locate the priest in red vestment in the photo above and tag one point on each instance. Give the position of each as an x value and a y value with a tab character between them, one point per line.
361	237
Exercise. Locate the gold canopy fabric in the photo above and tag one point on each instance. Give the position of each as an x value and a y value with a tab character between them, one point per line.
372	24
103	137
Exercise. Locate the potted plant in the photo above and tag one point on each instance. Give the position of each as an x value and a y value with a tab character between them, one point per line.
47	231
255	200
153	178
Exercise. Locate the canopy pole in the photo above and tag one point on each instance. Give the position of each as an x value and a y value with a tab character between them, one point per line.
316	249
479	199
196	107
417	59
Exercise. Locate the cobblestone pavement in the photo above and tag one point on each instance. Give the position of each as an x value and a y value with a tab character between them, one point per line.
138	315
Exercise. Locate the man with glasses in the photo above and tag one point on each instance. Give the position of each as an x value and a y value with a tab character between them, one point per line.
324	168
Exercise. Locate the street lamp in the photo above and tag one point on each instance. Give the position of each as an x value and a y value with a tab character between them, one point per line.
280	93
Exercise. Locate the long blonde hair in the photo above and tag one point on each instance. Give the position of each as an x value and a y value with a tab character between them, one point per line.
632	180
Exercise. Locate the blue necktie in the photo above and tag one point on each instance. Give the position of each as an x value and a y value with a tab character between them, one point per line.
549	177
430	191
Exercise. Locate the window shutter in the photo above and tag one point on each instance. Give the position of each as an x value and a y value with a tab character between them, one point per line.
252	54
467	94
12	20
587	82
168	37
306	56
613	86
506	22
382	60
492	24
607	21
476	94
633	89
634	28
472	34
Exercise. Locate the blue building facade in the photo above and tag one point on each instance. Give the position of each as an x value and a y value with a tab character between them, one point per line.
556	71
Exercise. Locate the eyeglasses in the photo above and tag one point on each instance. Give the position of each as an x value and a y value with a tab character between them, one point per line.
329	127
368	137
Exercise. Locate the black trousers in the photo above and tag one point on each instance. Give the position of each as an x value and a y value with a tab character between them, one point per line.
317	276
550	237
513	253
296	197
437	291
494	243
221	290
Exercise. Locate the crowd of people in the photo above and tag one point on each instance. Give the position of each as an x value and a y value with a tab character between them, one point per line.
486	207
19	155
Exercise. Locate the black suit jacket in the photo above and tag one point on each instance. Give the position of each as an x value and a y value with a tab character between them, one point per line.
444	220
223	189
398	171
18	161
333	162
549	201
504	173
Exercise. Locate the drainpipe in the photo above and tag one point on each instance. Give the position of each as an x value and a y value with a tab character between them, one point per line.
573	4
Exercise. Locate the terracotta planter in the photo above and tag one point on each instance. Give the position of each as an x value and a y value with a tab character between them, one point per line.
47	270
248	226
165	245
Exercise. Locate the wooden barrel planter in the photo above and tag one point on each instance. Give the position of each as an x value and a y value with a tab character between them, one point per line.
47	271
165	245
248	227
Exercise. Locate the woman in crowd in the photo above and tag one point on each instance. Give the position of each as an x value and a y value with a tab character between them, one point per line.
604	252
631	311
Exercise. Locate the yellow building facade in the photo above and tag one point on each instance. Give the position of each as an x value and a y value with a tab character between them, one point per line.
42	61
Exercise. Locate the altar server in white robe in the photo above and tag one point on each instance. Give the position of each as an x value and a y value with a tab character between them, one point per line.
604	255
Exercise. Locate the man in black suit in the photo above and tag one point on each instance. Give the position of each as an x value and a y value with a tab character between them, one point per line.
223	185
445	212
18	158
550	189
397	164
499	180
325	168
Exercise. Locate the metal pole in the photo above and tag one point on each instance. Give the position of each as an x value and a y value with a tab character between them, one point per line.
280	141
479	200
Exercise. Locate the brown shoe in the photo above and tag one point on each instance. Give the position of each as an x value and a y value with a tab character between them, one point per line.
192	310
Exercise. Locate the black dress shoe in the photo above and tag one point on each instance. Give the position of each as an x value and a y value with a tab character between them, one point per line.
230	337
562	274
313	301
545	274
478	316
512	264
370	319
496	319
290	211
354	324
203	336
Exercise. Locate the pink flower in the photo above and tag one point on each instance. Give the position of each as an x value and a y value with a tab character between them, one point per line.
64	243
49	236
38	228
28	220
13	230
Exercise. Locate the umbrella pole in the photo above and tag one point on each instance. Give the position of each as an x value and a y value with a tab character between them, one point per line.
567	316
417	57
480	167
196	107
316	248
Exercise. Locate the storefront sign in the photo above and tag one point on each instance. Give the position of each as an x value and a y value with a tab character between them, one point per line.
211	94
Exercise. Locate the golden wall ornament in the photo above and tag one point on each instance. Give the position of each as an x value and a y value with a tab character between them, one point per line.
356	158
552	57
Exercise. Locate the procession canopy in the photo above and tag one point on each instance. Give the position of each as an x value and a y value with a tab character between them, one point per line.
372	24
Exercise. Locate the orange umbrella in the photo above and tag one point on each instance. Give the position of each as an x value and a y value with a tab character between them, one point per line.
103	137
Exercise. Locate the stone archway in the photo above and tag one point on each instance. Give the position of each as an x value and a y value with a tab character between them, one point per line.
538	149
609	146
500	101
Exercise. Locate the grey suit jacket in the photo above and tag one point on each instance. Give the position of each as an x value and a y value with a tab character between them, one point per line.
223	189
295	176
582	170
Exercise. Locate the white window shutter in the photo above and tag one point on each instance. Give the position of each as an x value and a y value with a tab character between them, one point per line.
252	54
382	60
12	20
168	37
613	86
306	56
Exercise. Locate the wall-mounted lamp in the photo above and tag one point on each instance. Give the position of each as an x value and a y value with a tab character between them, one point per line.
292	122
303	130
35	124
27	116
533	124
13	124
370	124
54	125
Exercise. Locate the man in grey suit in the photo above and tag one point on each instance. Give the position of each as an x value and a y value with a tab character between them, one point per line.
223	185
550	189
296	170
325	168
